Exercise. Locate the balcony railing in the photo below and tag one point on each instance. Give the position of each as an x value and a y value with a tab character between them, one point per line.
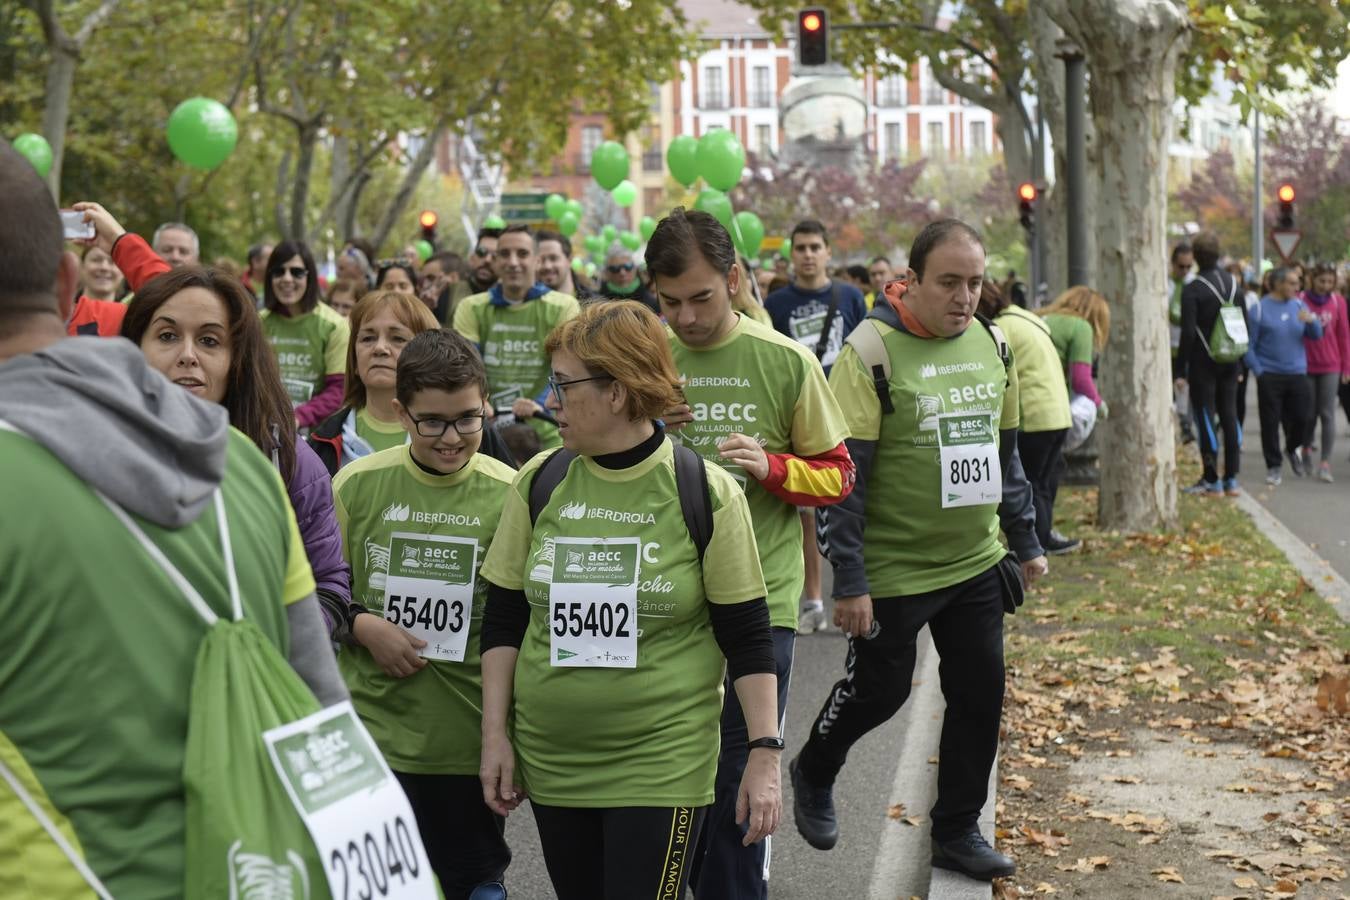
713	101
761	99
652	161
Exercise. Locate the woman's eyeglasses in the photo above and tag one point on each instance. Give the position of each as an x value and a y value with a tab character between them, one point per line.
296	272
559	387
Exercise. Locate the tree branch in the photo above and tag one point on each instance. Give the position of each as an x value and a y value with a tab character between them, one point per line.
94	20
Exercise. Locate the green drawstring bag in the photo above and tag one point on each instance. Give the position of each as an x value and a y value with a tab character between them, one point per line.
1228	338
245	839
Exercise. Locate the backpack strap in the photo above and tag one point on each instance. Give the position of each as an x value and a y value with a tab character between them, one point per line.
547	478
871	349
691	480
1001	342
823	342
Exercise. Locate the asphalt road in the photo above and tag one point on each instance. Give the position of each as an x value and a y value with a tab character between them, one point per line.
876	857
1316	512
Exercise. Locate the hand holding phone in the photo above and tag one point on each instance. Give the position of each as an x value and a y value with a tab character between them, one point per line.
74	227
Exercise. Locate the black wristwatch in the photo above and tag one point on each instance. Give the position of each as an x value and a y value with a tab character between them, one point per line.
768	743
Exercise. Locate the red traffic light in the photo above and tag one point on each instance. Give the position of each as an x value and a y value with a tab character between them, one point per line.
1286	193
428	219
1026	191
811	22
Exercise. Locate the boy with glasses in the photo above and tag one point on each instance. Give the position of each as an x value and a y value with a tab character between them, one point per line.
621	280
416	521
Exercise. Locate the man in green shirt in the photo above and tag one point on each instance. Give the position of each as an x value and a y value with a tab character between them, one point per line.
509	323
759	406
922	539
417	521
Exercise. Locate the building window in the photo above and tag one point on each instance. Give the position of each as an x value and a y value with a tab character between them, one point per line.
591	137
979	141
933	94
713	95
893	149
892	91
936	145
763	140
761	94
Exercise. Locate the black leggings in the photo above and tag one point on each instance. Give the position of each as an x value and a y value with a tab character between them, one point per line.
618	853
463	837
1214	392
1043	459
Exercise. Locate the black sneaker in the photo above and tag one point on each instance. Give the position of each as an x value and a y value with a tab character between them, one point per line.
970	854
1058	545
813	809
1296	464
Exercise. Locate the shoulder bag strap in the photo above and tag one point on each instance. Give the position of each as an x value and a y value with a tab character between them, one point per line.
546	478
866	341
823	342
691	480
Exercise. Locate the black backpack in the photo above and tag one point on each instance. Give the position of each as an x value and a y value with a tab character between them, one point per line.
691	480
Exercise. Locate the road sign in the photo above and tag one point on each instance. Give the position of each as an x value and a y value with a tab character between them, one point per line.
1286	241
524	208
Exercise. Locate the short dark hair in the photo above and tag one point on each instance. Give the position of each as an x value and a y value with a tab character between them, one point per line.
1279	274
515	229
808	226
490	232
363	245
255	397
935	233
438	360
31	240
450	261
1179	249
992	300
1206	249
255	252
563	241
877	259
280	254
387	264
858	272
681	235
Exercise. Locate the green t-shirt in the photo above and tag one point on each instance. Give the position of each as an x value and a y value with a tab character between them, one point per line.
379	435
1043	392
643	736
309	348
96	672
430	721
511	339
1073	340
911	543
766	386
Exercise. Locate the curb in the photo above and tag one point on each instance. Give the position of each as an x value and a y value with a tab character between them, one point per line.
1325	580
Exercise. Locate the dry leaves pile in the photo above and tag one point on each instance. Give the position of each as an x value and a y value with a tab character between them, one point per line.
1201	643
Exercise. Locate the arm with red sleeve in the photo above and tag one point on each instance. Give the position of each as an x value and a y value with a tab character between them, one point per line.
137	262
819	480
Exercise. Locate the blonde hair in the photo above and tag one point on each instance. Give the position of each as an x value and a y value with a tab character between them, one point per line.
744	300
626	341
1084	303
411	312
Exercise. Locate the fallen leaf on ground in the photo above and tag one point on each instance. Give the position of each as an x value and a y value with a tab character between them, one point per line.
1169	874
1244	882
896	811
1123	779
1086	864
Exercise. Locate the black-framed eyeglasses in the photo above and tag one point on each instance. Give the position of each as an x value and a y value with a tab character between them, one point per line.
296	272
558	387
435	426
482	251
624	267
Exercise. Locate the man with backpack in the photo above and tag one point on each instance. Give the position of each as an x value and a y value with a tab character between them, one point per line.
931	400
1213	341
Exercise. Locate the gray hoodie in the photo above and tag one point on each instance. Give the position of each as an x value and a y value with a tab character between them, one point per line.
148	444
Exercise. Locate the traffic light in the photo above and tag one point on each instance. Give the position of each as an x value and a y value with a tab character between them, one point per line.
428	220
813	37
1026	196
1286	216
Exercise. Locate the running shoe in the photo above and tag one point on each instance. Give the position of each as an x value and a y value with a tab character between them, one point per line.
1205	488
1058	544
812	618
1273	477
1231	487
1307	460
1296	464
1324	472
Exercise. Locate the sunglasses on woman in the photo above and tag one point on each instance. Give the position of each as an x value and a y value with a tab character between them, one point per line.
626	267
296	272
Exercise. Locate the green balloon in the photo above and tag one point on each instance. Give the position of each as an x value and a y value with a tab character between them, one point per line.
424	249
202	133
682	159
555	206
647	227
750	229
609	164
610	233
591	269
716	204
785	250
595	244
35	149
494	221
721	159
578	265
575	208
630	240
625	193
568	223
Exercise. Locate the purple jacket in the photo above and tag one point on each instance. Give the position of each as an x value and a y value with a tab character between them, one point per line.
311	492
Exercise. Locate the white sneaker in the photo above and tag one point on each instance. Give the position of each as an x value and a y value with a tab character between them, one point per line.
812	618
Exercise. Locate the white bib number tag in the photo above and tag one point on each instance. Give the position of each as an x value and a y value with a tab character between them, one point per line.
429	591
298	389
969	458
593	603
356	812
1235	324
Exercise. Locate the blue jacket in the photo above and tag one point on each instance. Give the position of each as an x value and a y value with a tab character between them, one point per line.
1275	337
